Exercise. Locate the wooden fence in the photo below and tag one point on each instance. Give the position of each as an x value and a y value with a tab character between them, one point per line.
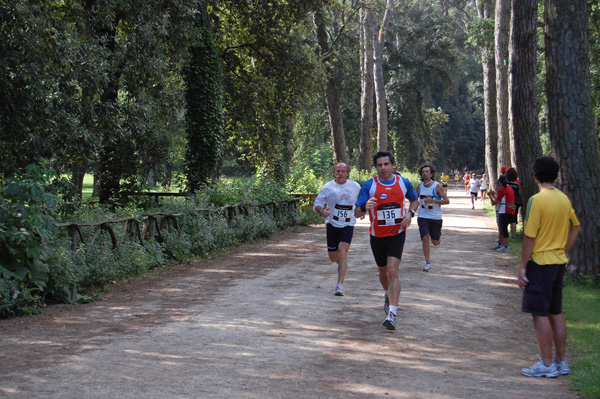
311	198
153	225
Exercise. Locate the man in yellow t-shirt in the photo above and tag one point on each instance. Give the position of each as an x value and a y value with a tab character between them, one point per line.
444	180
551	229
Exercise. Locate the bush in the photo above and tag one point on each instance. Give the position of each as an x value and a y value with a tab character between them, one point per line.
26	221
74	275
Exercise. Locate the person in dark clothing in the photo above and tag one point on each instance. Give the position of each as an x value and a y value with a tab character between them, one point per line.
513	181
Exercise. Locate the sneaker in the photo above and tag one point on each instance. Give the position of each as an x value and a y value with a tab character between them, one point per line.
503	249
427	267
497	246
339	290
473	207
540	370
386	304
390	322
563	367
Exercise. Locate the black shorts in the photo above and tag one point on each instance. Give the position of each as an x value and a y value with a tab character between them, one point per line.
474	194
431	227
384	247
505	220
335	235
543	294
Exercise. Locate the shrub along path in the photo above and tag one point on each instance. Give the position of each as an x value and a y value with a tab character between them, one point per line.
262	322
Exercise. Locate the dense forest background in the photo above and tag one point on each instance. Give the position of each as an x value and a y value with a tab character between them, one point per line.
181	92
101	85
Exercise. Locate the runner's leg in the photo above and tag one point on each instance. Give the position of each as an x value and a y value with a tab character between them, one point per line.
343	248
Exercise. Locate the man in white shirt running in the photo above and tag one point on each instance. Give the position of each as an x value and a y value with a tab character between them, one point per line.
431	196
335	202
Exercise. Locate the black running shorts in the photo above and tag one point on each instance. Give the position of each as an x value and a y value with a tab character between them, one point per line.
384	247
335	235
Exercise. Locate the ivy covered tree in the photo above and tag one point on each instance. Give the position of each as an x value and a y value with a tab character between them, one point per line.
204	98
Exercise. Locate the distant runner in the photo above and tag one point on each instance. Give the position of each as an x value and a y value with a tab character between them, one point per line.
431	197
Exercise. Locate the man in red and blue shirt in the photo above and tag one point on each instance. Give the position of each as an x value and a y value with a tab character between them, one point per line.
383	198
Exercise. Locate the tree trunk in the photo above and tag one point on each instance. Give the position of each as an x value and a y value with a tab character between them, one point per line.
380	97
109	159
79	169
571	123
501	38
489	100
334	110
204	107
524	123
366	99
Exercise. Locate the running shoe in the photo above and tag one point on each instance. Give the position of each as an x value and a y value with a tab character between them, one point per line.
386	304
497	246
427	267
339	290
390	322
540	370
563	367
503	249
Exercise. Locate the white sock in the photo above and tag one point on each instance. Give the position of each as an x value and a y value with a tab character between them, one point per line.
393	309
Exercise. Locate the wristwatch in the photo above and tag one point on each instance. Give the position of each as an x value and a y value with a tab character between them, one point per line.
412	212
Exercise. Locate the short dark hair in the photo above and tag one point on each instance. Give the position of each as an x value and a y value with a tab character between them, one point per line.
431	169
502	181
511	174
383	154
545	169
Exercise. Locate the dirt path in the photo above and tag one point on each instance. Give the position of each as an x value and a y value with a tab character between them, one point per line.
262	322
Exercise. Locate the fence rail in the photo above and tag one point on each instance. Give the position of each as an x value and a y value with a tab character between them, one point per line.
153	225
311	198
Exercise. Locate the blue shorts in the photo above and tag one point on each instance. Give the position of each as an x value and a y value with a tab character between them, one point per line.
543	294
335	235
430	227
384	247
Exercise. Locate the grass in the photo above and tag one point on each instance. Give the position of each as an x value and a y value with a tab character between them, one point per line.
581	297
88	186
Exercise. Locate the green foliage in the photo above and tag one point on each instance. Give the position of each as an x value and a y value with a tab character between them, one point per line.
312	169
91	266
435	112
270	70
26	209
481	33
75	276
361	176
234	191
594	52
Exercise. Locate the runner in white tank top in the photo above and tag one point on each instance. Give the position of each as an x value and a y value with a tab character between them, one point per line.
431	198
